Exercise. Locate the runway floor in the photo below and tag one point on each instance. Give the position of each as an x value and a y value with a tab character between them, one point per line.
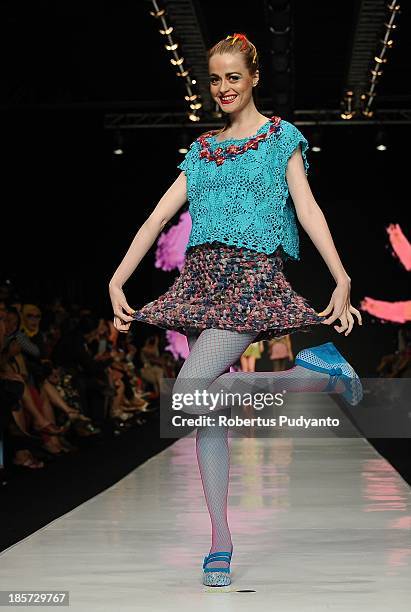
318	524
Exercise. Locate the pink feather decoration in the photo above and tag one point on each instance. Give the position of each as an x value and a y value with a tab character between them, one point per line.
395	312
178	345
171	245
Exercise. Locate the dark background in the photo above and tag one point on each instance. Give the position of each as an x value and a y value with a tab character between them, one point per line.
71	208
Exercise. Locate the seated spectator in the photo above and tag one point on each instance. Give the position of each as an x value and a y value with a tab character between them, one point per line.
153	368
90	376
60	369
11	391
56	390
398	364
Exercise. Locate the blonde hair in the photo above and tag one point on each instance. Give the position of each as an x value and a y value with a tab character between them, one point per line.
234	43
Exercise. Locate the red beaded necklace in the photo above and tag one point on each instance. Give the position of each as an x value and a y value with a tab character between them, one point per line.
221	154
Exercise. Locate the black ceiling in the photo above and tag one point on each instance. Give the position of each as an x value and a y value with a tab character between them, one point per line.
110	54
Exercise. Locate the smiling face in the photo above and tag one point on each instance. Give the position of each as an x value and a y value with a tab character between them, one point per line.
231	83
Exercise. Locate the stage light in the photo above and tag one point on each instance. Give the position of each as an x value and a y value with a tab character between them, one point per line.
316	141
172	46
183	142
167	31
184	73
347	111
157	14
387	42
381	141
118	147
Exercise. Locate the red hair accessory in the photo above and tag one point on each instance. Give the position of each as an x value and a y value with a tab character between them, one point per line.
241	37
244	43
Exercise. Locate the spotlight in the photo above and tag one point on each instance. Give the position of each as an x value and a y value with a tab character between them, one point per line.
183	145
381	141
171	45
118	148
316	138
387	43
167	31
157	14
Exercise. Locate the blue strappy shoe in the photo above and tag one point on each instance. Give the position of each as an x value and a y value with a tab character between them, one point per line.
326	358
217	576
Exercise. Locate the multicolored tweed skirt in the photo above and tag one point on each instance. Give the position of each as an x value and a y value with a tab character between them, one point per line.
234	288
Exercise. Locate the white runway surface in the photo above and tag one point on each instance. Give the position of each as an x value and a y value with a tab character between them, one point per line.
318	524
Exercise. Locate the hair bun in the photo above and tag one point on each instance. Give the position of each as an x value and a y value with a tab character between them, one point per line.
239	36
246	46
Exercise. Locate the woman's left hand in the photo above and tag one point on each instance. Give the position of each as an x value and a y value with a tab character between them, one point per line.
340	308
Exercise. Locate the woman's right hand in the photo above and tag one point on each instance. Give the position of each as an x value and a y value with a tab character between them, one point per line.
340	307
122	311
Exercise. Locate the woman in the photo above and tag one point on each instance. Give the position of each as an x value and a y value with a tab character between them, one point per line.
249	356
280	352
232	291
152	370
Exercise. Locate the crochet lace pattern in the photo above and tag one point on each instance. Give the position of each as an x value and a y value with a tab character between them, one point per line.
244	200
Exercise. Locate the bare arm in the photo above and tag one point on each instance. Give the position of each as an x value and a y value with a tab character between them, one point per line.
168	205
314	223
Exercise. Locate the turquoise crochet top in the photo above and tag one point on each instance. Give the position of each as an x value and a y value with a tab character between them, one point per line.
237	189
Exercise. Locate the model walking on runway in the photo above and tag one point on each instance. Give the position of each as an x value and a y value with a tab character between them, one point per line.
251	353
245	185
